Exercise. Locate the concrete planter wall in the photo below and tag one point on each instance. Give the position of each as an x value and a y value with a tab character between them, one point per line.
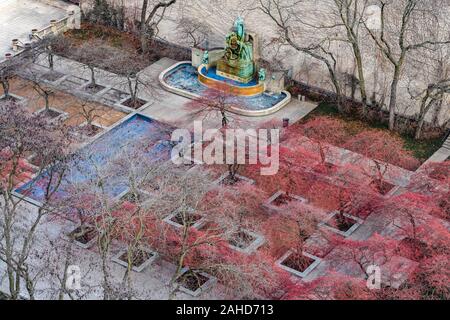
128	109
347	233
61	117
297	273
253	246
19	99
94	124
85	86
55	81
272	208
207	285
122	195
197	224
140	268
219	180
88	245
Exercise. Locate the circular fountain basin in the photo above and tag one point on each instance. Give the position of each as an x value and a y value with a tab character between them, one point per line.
210	78
182	79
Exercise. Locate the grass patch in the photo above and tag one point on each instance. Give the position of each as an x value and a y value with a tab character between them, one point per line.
421	149
324	109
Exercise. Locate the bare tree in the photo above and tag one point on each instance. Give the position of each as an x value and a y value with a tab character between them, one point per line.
430	98
192	32
215	101
89	111
152	13
130	77
22	134
92	54
401	33
45	92
286	14
8	69
127	218
350	15
49	46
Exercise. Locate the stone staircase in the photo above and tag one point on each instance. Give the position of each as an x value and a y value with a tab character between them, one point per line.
446	143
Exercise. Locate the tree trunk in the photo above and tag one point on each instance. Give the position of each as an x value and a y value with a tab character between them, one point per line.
393	98
143	27
133	89
50	61
47	103
5	85
437	112
361	78
92	76
144	42
224	119
418	133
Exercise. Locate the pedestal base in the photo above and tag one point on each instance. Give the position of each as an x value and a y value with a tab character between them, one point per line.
242	72
248	89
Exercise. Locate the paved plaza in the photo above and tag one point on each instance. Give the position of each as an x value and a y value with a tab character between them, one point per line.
69	94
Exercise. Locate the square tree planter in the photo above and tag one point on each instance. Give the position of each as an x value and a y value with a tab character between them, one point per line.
141	259
186	161
72	83
83	238
245	241
194	220
352	223
288	262
114	96
384	188
194	282
52	76
92	89
225	179
280	198
53	114
92	131
187	156
136	105
13	98
130	197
